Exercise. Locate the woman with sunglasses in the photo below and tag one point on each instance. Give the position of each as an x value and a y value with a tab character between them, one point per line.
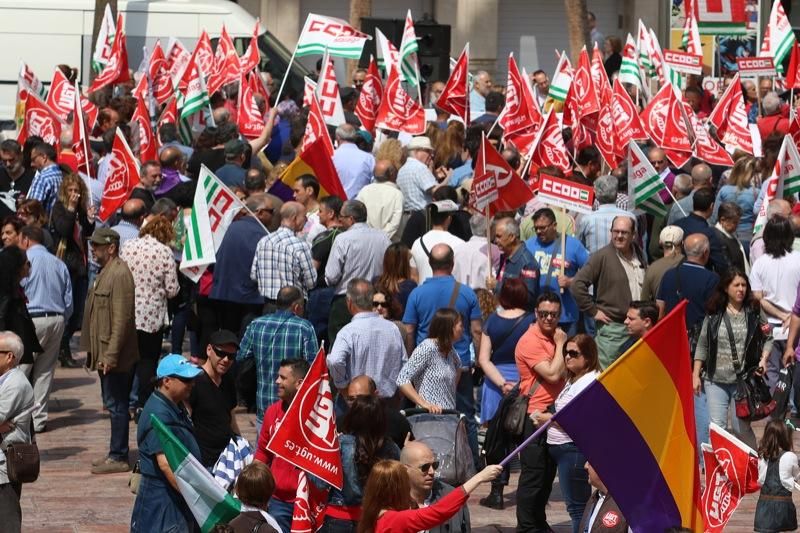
381	302
581	362
32	212
398	278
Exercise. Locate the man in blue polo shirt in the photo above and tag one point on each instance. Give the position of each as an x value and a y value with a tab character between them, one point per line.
546	249
437	292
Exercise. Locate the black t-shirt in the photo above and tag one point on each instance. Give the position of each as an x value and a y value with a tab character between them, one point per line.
10	191
211	415
321	251
213	158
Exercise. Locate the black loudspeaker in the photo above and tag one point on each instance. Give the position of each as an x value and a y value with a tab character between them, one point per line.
391	28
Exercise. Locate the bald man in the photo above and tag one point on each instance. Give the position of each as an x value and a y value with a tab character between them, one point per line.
398	427
481	86
383	199
283	259
700	179
422	465
173	166
131	218
658	158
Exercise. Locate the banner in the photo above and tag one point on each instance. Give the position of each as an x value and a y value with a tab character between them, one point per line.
755	66
684	62
566	194
321	33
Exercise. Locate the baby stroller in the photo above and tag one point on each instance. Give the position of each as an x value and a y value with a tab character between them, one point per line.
446	435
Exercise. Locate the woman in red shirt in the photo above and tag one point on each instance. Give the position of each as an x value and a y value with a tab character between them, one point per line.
387	500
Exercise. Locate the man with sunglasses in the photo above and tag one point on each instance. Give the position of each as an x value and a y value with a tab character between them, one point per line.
15	178
213	398
426	488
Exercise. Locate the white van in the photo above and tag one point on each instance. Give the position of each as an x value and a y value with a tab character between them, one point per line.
45	33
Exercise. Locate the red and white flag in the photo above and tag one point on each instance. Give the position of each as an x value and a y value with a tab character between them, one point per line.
170	113
116	70
586	96
607	140
61	96
398	111
226	64
309	90
520	112
122	177
251	57
158	73
549	148
309	506
599	76
203	53
705	147
147	149
455	95
80	135
307	436
41	121
663	121
627	125
369	99
512	192
730	119
328	94
731	473
793	74
178	57
316	128
249	120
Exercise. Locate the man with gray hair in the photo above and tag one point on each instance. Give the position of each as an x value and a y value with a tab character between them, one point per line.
472	257
369	345
16	408
701	179
149	180
356	253
595	227
384	200
353	165
481	86
516	261
773	122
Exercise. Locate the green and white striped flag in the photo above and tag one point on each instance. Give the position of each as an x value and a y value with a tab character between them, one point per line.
781	36
209	502
629	71
194	97
562	79
788	163
212	212
340	38
105	40
644	183
386	52
408	53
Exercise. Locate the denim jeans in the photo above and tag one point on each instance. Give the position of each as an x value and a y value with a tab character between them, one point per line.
337	525
465	404
180	323
701	421
573	480
118	387
720	398
281	511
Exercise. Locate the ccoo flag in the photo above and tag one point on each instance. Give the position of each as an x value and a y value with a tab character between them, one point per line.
209	502
322	33
642	408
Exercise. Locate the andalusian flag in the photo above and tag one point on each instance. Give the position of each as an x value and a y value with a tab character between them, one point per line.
690	40
645	49
105	40
337	36
212	212
644	183
781	36
408	53
562	79
388	55
209	502
785	179
629	71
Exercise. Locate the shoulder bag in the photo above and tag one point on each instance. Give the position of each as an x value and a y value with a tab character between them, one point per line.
514	422
752	399
22	460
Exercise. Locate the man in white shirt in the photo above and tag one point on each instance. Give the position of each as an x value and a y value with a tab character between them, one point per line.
415	178
353	165
471	258
602	512
441	215
384	199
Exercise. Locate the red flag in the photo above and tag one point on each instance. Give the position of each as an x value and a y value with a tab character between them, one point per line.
794	129
455	95
550	149
116	70
398	111
369	99
705	147
178	59
123	176
203	54
607	141
520	112
170	113
730	119
739	461
226	64
599	77
41	121
664	122
159	75
627	125
257	86
61	96
585	91
80	136
249	119
513	193
309	506
307	436
792	79
147	142
91	112
316	129
251	57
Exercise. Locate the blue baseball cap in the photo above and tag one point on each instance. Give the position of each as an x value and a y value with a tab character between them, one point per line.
175	365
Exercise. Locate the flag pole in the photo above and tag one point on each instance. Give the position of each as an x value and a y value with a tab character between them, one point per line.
286	75
526	442
496	121
563	244
232	194
84	134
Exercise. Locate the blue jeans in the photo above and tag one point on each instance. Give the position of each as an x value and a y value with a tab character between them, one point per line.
180	321
719	397
118	388
701	421
573	480
337	525
465	404
281	511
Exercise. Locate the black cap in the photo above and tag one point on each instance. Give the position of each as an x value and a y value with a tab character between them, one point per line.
221	337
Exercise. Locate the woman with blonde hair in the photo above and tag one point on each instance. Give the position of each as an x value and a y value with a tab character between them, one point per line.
391	150
450	151
742	191
387	501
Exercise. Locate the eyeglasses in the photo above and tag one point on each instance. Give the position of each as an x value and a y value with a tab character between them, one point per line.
658	162
572	353
547	315
380	304
424	468
223	354
621	232
542	228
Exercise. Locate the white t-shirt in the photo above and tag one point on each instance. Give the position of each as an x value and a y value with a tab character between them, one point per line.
431	239
788	470
556	435
777	278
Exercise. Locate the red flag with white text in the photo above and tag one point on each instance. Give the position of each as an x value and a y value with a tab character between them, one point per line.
520	112
512	191
455	95
316	128
122	177
586	96
226	64
41	121
307	436
251	57
309	506
398	111
627	124
170	113
249	120
730	119
203	53
61	95
550	149
116	70
147	149
705	147
159	75
178	58
80	135
369	99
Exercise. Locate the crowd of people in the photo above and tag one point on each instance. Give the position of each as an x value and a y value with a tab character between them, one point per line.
418	299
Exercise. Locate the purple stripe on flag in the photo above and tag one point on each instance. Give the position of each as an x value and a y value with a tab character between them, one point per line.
610	441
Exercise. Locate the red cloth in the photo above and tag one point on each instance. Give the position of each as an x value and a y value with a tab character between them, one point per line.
284	472
414	520
67	157
773	124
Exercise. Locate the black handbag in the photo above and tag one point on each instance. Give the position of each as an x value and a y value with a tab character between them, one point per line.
22	460
752	399
514	421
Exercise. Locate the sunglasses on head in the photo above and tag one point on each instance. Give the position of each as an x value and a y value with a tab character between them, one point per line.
223	354
425	467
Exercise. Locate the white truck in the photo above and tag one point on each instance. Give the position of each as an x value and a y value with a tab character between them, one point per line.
45	33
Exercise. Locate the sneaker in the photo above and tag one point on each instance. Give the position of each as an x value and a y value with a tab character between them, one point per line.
69	362
99	460
111	466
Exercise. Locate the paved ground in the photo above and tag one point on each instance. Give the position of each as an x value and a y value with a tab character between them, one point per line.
67	498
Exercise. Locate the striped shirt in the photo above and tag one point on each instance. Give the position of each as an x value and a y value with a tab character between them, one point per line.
270	339
414	180
48	287
356	253
45	186
433	376
282	259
